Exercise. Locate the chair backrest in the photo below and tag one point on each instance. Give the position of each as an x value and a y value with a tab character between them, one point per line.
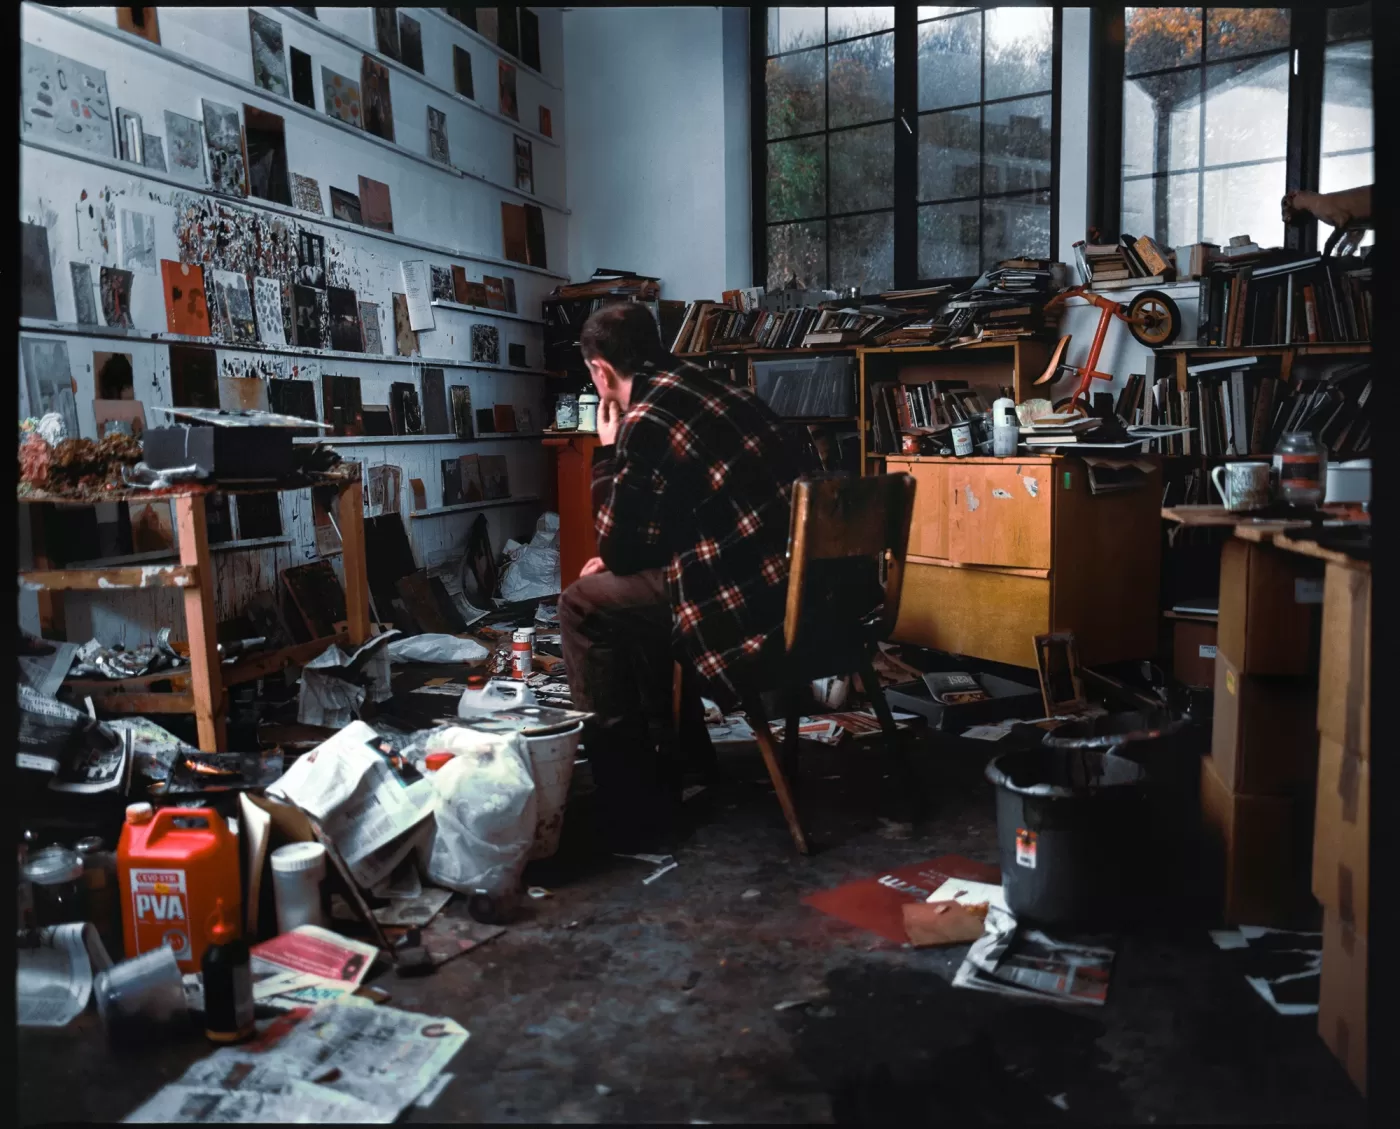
842	530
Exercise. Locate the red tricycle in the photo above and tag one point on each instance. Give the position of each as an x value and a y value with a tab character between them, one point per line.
1153	319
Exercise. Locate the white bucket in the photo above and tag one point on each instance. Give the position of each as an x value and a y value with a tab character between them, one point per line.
552	765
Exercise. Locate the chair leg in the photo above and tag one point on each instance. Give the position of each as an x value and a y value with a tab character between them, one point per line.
870	686
758	720
792	737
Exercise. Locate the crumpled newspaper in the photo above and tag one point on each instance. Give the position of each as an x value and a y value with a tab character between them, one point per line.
93	659
334	685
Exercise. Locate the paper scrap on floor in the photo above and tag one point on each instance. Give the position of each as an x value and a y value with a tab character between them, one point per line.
56	965
327	1064
1030	964
309	965
1282	965
876	903
416	910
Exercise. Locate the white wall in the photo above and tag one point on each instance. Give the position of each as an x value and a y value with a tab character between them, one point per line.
658	171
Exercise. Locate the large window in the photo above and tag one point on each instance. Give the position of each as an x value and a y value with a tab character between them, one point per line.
1217	106
960	99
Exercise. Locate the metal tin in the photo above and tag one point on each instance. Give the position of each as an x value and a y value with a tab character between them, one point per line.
962	440
522	652
56	874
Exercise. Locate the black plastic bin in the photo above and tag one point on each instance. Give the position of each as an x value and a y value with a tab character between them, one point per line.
1066	820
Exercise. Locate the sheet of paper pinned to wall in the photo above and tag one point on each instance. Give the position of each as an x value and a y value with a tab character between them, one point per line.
417	286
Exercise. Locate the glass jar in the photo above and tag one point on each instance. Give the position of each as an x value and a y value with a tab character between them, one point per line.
100	884
1300	469
57	876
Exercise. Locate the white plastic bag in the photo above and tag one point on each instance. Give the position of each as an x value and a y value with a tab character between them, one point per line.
485	811
532	571
436	649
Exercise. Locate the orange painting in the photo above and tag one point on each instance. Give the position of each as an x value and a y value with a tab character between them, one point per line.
186	309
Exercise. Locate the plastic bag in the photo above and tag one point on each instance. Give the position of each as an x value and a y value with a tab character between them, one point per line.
532	571
436	649
485	811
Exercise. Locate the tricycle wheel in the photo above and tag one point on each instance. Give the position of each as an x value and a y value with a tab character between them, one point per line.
1154	319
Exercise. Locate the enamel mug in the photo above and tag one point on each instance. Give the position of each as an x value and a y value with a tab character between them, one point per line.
1243	486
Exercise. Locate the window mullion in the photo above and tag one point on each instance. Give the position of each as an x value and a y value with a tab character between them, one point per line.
906	146
1304	161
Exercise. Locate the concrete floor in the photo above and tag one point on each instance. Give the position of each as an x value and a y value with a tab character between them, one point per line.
618	1001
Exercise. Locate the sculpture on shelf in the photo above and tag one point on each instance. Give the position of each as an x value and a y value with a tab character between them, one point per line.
1347	212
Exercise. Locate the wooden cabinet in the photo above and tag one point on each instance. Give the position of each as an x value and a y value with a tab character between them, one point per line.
1002	550
574	469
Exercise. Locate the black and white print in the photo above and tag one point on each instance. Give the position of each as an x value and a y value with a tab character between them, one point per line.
267	306
486	345
223	146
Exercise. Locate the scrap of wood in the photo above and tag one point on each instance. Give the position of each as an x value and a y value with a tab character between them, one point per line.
943	923
101	579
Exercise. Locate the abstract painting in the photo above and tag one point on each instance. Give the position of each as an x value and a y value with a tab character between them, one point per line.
345	320
462	411
312	317
405	409
235	306
374	93
345	206
451	482
369	326
129	137
437	137
462	72
194	379
486	345
152	152
242	394
435	402
411	42
546	122
223	147
112	376
267	309
84	304
510	296
504	417
138	236
266	135
292	398
495	476
514	245
472	488
342	97
476	295
49	381
64	101
306	194
269	60
524	165
186	302
186	138
495	292
405	340
311	258
378	420
303	79
115	286
36	298
375	207
505	87
442	284
386	31
420	494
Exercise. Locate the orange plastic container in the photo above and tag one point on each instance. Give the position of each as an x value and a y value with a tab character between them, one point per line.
172	877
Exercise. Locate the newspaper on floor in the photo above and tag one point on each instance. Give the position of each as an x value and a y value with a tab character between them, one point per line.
155	751
308	966
1284	966
348	787
98	768
1032	965
340	1062
55	969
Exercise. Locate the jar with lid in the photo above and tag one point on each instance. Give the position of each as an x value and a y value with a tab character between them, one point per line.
588	411
1300	469
100	884
57	877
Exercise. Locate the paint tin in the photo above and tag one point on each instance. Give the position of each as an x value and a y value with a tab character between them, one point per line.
56	876
146	992
522	652
909	444
962	440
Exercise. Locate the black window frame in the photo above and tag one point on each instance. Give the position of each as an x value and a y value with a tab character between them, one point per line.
905	124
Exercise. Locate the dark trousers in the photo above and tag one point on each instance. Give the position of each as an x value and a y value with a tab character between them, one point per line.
617	651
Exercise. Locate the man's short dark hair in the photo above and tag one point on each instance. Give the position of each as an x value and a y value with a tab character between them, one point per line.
624	334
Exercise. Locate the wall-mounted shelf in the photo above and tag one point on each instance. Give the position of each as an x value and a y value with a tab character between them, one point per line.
494	47
404	69
127	168
375	440
485	311
248	88
116	332
518	500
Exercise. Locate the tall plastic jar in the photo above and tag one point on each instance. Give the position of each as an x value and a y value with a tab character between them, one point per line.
298	870
173	866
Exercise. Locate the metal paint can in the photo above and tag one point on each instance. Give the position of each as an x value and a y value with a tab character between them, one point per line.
522	652
962	439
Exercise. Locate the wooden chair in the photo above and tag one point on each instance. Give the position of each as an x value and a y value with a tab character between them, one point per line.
838	610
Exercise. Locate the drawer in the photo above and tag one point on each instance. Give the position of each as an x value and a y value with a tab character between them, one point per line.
982	612
928	532
999	514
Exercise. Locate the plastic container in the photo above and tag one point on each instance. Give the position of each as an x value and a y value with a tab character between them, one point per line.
588	411
56	875
1067	822
141	995
298	869
1005	439
485	696
173	866
228	980
552	765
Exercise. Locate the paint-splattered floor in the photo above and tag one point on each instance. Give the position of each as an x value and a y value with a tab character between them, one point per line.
618	1001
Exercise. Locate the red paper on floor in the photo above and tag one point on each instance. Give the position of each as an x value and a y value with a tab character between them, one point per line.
877	903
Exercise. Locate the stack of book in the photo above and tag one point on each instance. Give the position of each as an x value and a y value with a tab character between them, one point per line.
1285	298
924	408
1132	261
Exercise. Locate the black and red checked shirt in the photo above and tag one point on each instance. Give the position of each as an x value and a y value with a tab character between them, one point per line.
699	482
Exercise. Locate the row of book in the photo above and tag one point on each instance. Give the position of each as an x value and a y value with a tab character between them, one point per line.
897	409
1296	300
1132	261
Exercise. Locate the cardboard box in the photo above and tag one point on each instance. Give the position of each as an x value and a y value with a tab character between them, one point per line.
1270	609
1344	680
1341	868
1262	738
1252	854
1341	1011
1193	651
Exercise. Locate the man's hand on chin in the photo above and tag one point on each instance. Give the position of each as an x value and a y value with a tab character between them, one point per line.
594	564
609	420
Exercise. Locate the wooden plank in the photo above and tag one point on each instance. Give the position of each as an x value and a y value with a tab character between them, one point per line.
52	624
201	626
1315	549
145	703
105	579
79	687
352	540
997	517
259	666
1032	573
1219	515
987	613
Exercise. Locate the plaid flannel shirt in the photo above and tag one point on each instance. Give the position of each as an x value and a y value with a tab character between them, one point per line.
699	482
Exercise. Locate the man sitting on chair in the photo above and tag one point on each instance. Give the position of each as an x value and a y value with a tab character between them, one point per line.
692	494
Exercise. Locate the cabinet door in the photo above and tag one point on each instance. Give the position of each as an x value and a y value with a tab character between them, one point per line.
928	535
999	514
